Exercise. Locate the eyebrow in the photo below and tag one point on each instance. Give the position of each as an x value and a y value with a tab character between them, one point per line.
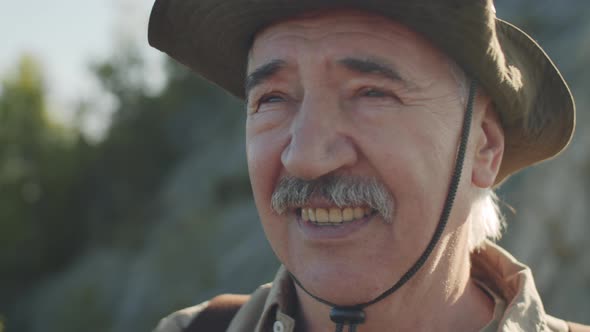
262	74
365	66
371	66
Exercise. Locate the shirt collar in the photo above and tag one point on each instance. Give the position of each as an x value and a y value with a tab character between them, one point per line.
280	305
512	281
495	270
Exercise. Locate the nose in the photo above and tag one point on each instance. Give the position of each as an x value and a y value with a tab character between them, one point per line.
319	143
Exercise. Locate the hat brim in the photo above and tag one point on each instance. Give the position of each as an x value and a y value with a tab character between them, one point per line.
536	107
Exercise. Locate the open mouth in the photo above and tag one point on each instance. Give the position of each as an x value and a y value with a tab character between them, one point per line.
333	216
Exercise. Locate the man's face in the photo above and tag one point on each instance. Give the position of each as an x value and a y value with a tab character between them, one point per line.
352	95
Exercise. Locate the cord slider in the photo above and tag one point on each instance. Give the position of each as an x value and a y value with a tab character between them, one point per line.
347	315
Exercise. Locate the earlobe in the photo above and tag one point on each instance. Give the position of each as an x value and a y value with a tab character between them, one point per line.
489	148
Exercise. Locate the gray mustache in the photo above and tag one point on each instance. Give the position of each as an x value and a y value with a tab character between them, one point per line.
342	191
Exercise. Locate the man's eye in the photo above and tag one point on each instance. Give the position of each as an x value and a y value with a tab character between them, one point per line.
374	92
271	99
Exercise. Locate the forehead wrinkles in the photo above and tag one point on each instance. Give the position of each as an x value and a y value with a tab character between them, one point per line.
356	33
316	26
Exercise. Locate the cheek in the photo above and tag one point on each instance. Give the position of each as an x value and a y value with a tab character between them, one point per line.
266	137
413	159
261	162
263	151
264	166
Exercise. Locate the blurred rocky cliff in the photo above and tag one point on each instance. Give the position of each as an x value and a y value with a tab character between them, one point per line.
161	217
552	201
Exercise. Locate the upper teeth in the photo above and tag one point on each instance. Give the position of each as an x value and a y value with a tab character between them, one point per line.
333	215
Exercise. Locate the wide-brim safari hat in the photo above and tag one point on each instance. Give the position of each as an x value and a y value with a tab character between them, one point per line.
536	107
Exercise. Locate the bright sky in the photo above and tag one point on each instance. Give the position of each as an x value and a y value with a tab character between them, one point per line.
67	35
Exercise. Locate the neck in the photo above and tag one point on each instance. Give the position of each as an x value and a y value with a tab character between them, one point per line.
441	297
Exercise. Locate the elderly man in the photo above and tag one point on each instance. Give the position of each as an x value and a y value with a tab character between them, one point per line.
375	132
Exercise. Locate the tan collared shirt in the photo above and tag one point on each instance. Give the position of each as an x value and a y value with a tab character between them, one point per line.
518	306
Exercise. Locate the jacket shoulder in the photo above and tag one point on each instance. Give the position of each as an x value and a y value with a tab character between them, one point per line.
220	309
181	319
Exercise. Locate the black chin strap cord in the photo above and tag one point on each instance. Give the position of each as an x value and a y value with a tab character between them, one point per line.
354	315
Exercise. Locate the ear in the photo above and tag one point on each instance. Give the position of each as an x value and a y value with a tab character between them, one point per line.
489	148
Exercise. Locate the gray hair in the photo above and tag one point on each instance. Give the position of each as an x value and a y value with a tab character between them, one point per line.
292	192
485	219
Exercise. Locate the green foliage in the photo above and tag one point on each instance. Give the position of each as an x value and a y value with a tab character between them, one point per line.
135	155
62	198
39	166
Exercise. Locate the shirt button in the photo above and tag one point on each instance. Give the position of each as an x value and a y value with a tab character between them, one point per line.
278	327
